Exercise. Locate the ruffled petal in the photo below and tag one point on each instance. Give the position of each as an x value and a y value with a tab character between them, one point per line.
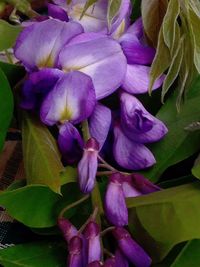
72	99
129	154
136	80
100	58
38	47
99	123
137	123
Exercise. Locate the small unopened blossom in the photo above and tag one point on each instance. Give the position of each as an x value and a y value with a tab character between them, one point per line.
75	248
133	252
110	263
87	167
95	264
120	259
57	12
67	229
93	245
115	204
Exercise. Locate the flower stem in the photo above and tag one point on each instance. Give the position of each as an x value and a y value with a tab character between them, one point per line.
106	165
85	130
107	230
72	205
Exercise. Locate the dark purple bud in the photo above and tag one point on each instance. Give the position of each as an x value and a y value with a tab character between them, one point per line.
57	12
144	185
133	252
75	252
110	263
120	259
67	229
95	264
115	204
87	166
93	244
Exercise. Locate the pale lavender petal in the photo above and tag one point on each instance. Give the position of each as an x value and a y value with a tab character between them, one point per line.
102	59
115	204
136	28
129	190
68	229
70	143
134	252
72	99
93	244
87	167
137	123
129	154
57	12
136	52
137	79
38	45
120	259
99	123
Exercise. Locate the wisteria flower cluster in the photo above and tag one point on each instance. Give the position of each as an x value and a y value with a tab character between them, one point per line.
75	65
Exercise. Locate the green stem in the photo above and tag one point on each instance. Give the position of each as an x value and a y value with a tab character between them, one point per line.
85	130
74	204
8	56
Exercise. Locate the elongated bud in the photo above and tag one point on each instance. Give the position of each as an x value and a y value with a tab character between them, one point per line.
67	229
93	244
95	264
133	252
144	185
87	167
120	259
115	205
75	252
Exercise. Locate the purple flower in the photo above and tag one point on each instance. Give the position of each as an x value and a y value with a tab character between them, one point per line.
67	229
87	167
95	264
99	124
57	12
39	44
68	101
120	259
98	56
93	244
75	248
70	143
133	252
115	204
137	123
110	263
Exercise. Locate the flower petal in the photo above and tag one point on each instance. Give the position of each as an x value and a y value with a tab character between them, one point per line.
137	123
120	259
129	154
115	204
70	143
67	229
136	80
99	58
75	258
99	123
72	99
57	12
38	47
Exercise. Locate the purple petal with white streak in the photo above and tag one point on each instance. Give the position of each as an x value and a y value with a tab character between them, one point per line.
72	99
44	40
100	58
129	154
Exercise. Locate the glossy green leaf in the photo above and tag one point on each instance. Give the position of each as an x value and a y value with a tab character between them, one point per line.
153	12
169	23
6	107
33	205
41	156
163	219
178	144
196	168
161	60
113	10
189	256
13	72
8	34
36	254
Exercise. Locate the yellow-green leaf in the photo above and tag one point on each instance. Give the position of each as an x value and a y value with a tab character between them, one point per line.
87	5
113	10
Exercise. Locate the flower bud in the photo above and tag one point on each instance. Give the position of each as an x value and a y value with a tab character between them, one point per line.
110	262
95	264
67	229
75	252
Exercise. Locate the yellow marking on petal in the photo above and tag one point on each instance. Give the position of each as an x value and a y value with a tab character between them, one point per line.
65	115
46	62
120	30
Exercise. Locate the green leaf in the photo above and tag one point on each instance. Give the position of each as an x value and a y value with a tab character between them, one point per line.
34	255
86	6
113	10
68	175
178	144
33	205
13	72
41	156
189	256
8	34
169	23
196	168
163	219
153	12
6	107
